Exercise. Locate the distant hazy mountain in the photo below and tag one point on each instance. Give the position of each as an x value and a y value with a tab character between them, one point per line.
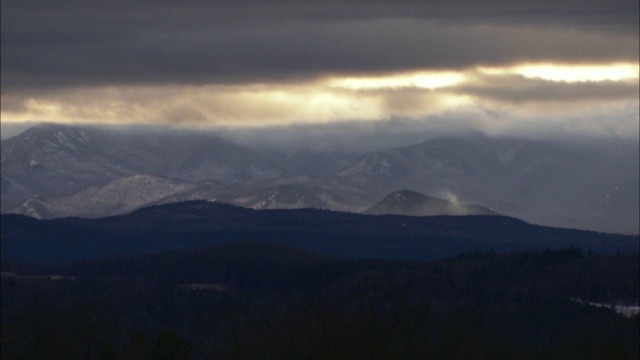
316	163
127	194
299	192
290	196
580	185
59	160
411	203
567	184
119	196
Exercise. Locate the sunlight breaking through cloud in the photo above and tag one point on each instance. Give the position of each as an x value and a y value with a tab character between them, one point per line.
569	73
420	79
521	91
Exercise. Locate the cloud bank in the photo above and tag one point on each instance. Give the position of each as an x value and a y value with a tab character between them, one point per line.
280	62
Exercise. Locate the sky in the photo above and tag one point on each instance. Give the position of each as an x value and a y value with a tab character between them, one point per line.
502	67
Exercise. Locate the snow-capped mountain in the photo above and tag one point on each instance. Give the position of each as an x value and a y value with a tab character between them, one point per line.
56	160
127	194
411	203
581	185
57	170
300	192
290	196
119	196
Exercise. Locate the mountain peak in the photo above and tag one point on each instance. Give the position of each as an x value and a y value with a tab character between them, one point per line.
412	203
407	194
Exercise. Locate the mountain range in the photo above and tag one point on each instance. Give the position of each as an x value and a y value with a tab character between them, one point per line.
54	170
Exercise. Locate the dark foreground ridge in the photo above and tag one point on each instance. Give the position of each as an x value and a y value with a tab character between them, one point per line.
345	235
260	301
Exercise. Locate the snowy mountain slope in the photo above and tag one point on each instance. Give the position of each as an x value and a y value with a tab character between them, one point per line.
299	192
581	185
53	160
552	182
411	203
119	196
126	194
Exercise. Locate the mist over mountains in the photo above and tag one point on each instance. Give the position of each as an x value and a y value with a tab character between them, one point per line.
52	171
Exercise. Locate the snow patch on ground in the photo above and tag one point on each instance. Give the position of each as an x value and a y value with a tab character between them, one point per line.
627	311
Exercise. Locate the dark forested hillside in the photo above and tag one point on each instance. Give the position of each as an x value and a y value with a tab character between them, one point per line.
202	280
201	223
257	301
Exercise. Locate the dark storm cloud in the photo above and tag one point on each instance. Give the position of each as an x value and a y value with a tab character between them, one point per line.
60	43
173	12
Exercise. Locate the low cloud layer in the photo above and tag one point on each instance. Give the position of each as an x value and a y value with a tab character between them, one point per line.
150	42
286	62
292	50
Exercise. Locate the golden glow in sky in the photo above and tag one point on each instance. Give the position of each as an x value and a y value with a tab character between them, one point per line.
376	97
570	73
420	79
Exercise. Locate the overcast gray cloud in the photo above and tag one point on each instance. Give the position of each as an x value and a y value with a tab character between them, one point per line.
495	66
517	89
50	44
